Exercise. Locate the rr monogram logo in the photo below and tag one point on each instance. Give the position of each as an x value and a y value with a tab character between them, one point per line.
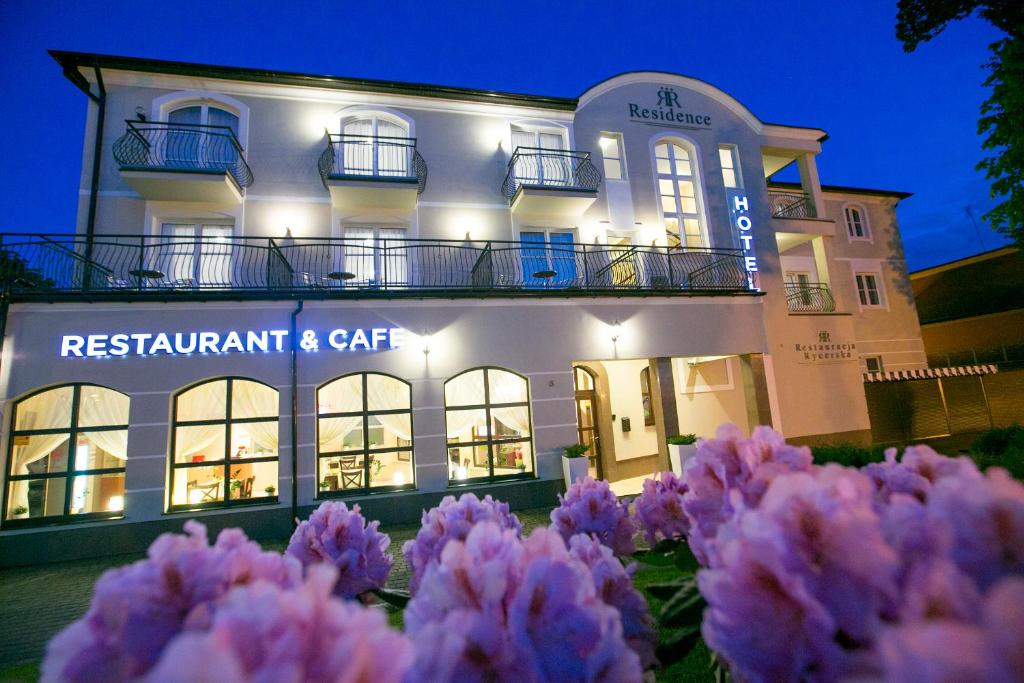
667	97
824	338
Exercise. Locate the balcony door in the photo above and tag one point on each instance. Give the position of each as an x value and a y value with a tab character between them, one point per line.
622	259
549	258
189	145
547	165
195	254
798	287
375	146
377	256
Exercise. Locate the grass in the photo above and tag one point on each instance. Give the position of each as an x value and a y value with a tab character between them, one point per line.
23	673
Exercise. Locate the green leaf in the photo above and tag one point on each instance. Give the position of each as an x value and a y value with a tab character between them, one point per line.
683	609
664	591
663	554
678	645
685	559
395	598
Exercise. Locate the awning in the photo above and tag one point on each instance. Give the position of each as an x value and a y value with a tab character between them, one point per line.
930	373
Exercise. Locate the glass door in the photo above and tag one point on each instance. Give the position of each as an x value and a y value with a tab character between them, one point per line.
798	287
377	256
586	419
549	258
622	254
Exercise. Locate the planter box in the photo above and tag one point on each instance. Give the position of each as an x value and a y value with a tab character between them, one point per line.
678	455
573	469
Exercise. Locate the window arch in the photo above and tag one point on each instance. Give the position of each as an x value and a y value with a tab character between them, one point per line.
677	174
364	434
856	222
487	418
224	444
66	455
376	143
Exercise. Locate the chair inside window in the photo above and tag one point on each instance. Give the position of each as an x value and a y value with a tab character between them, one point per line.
351	473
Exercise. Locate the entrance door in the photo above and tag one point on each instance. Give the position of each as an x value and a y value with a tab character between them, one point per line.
623	261
586	419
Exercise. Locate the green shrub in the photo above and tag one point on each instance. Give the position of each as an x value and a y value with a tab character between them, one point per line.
682	440
1002	447
577	450
847	454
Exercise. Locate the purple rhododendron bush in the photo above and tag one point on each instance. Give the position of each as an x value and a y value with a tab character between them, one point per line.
910	569
590	507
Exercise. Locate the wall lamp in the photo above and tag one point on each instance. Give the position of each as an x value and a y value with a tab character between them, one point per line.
425	344
616	331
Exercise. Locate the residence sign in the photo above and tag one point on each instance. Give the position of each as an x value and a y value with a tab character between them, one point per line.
668	110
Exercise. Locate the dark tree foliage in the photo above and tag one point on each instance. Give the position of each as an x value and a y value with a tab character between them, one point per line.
16	273
1002	114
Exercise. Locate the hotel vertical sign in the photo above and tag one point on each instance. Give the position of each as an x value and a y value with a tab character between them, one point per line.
739	214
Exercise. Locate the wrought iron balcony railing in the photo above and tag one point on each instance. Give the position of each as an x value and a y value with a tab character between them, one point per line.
550	169
809	298
183	147
791	205
372	157
52	266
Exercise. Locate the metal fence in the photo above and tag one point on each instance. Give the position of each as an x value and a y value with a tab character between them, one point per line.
44	265
809	298
189	147
791	205
372	157
550	168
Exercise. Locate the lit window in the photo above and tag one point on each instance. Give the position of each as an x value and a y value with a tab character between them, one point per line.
645	395
856	222
874	364
375	145
729	158
194	254
611	150
677	176
540	157
224	444
364	434
377	256
868	291
67	454
487	413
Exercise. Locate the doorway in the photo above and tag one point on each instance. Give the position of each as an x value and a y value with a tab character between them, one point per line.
586	419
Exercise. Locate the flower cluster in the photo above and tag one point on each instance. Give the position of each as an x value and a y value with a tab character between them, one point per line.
590	507
262	632
910	568
452	521
495	607
341	537
659	509
138	609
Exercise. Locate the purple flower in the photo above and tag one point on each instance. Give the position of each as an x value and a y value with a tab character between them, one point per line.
590	507
336	535
137	609
659	509
452	520
919	470
495	607
614	585
262	632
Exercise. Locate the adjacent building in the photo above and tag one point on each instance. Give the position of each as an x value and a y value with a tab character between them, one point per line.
285	288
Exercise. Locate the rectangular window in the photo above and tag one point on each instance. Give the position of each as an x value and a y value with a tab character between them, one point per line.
867	290
611	150
376	257
874	363
728	155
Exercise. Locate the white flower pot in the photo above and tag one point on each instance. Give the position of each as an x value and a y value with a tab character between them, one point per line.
678	455
573	469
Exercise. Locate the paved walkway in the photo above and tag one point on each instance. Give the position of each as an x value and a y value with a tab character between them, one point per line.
39	601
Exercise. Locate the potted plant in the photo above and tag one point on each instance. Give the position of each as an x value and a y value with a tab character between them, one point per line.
20	512
236	488
574	463
680	449
270	490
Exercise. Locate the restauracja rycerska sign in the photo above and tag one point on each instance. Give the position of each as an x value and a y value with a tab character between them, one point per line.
668	109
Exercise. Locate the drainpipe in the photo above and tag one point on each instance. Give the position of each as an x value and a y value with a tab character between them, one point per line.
295	413
79	81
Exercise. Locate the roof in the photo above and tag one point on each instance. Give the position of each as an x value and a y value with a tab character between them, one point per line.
844	189
992	282
961	262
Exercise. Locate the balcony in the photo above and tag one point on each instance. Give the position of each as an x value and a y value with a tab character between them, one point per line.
550	182
791	205
64	267
183	162
373	172
809	298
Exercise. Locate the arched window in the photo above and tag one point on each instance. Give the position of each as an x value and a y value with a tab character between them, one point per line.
364	434
678	178
67	452
856	222
224	444
487	414
645	396
376	144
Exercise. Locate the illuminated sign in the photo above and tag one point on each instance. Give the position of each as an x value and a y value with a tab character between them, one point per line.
668	109
739	210
250	341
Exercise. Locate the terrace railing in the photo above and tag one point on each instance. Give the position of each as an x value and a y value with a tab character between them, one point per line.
46	266
809	298
550	169
182	147
372	157
791	205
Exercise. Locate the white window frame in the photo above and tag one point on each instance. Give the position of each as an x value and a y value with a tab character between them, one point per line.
881	364
376	263
696	160
620	157
734	156
864	223
164	105
883	302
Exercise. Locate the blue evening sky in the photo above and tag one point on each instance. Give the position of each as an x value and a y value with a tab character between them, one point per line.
896	121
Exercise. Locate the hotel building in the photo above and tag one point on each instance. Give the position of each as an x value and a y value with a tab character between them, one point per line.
285	288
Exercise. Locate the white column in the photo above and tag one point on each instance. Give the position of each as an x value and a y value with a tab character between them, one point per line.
810	183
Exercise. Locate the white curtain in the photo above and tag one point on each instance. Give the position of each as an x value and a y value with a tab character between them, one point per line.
357	152
506	387
386	393
191	440
205	402
252	399
340	396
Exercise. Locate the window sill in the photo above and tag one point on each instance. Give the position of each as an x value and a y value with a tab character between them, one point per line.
38	522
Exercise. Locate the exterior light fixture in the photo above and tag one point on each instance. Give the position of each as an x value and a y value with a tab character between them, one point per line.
425	343
140	113
616	331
